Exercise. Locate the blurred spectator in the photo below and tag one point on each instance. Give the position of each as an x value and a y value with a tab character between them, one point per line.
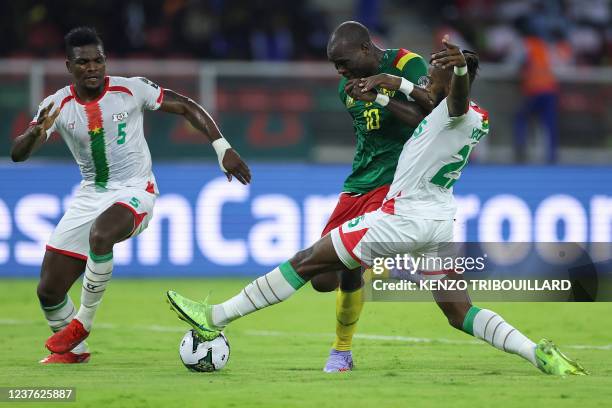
540	89
582	24
225	29
456	27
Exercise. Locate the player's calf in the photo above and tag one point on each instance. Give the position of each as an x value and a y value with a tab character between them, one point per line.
455	313
112	226
325	282
270	289
48	295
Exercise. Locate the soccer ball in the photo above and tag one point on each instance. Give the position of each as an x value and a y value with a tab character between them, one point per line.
204	356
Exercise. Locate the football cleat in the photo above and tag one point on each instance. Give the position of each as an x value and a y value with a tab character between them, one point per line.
552	361
68	338
66	358
195	314
339	361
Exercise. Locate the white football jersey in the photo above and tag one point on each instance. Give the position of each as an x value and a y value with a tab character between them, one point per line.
431	162
106	135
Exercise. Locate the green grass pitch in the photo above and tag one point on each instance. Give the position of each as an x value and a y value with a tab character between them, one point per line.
406	354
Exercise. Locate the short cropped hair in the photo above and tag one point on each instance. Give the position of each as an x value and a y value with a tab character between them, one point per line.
80	36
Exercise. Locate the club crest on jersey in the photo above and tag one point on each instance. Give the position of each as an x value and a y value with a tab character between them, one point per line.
118	117
423	81
71	125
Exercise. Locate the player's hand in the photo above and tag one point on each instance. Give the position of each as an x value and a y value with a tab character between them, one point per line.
350	86
235	166
352	89
450	57
46	119
390	82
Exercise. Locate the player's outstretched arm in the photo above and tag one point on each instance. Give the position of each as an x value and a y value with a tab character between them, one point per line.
409	113
458	97
229	160
34	136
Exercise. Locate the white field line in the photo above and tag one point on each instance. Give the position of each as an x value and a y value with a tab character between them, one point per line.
267	333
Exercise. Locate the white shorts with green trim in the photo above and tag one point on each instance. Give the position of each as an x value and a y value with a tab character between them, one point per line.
360	241
71	235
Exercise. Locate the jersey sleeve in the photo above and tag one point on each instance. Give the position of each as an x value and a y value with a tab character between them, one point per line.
468	119
149	94
44	104
413	67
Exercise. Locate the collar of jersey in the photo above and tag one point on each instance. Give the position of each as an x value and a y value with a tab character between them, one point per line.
384	60
76	97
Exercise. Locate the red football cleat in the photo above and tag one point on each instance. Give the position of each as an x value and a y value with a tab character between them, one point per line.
66	358
68	338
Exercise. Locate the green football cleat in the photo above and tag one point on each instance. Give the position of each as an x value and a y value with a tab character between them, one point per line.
196	314
552	361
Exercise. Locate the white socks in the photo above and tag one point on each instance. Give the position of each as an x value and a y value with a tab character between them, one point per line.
98	272
492	328
267	290
59	316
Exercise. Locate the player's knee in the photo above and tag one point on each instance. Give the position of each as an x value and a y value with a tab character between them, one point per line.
299	261
305	264
48	295
326	282
100	241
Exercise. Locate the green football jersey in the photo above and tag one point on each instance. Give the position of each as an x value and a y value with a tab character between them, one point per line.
380	135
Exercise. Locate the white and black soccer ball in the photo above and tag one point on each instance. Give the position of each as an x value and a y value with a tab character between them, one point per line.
202	355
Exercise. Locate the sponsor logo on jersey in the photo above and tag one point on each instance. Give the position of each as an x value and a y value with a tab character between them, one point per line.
349	101
118	117
387	92
478	134
146	81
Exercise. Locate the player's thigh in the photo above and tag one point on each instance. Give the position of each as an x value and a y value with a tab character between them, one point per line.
141	204
71	235
361	241
453	303
127	214
318	259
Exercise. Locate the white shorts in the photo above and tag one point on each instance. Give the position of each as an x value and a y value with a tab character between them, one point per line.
71	235
380	235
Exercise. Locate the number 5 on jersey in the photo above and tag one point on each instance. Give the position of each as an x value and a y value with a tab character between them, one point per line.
121	133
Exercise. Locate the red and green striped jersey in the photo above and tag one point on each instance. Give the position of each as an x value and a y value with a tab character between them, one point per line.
380	135
106	135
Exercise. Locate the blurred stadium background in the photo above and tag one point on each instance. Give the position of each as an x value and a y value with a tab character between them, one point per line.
260	68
